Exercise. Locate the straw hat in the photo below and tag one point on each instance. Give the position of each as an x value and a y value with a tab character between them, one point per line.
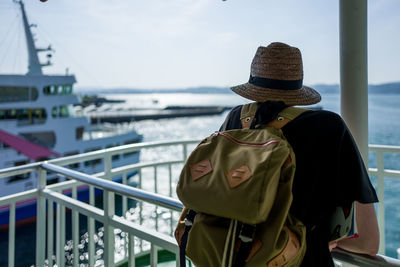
277	74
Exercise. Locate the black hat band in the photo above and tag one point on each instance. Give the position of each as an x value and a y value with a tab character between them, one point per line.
276	84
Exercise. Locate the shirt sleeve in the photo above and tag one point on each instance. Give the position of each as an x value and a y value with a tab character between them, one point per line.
354	180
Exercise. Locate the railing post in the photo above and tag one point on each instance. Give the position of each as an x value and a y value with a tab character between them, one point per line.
41	219
60	235
124	198
185	152
140	207
381	203
91	249
153	255
124	210
109	211
156	191
171	219
131	250
11	236
107	165
75	230
50	232
178	260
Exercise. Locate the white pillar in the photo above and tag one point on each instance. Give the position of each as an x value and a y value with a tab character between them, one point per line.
354	70
354	81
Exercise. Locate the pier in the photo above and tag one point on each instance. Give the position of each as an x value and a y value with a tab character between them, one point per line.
127	115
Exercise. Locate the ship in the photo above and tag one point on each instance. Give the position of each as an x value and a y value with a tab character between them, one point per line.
38	122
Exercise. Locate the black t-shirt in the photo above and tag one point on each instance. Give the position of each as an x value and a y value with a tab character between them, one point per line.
329	173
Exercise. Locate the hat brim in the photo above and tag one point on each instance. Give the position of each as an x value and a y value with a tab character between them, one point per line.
302	97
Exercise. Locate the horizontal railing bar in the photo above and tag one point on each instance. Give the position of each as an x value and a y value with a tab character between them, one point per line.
115	171
92	155
70	183
64	185
128	148
6	200
364	260
7	172
117	150
384	148
126	190
385	173
138	166
74	204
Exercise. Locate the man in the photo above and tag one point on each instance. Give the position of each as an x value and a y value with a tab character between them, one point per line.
329	169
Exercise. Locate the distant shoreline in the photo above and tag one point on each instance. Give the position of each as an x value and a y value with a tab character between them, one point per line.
386	88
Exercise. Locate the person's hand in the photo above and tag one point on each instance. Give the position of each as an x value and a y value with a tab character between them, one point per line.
332	245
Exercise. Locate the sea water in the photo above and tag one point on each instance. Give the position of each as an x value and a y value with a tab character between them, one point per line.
384	129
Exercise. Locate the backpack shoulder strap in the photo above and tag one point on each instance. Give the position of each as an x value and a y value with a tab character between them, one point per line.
285	116
247	114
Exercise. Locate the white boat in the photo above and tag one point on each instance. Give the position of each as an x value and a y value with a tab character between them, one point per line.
38	122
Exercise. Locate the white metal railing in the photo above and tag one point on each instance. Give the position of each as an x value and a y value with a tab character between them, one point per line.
52	194
380	173
343	258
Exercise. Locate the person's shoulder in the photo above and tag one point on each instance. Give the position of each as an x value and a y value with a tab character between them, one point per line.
237	108
235	111
323	116
232	120
321	121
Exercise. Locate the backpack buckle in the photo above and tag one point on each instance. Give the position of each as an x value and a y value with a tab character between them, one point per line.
247	232
188	222
190	217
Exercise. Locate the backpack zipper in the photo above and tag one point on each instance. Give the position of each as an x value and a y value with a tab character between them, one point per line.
230	138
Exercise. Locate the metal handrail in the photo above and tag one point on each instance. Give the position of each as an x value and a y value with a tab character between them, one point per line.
19	169
343	256
118	150
129	191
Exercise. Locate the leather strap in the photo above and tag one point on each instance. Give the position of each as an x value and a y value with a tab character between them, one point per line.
290	250
182	248
247	114
284	117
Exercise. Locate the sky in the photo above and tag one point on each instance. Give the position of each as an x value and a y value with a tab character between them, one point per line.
157	44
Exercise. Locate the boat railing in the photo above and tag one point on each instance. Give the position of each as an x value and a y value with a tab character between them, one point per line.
58	202
142	233
380	172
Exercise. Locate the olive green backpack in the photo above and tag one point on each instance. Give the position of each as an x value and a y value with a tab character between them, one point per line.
236	187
